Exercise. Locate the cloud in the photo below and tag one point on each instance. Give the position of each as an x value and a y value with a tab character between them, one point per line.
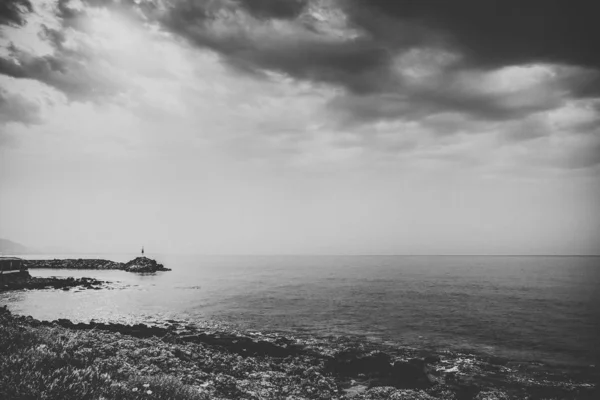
82	61
16	108
398	60
494	34
69	72
391	60
13	12
285	9
387	77
297	47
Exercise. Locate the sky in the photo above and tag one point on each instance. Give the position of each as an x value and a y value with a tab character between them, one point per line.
300	126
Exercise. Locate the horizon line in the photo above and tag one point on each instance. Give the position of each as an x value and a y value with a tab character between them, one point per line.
304	254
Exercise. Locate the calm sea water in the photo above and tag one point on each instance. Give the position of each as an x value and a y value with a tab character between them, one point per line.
528	308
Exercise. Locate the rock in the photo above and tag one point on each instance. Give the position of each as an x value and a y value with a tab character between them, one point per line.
28	282
411	375
352	364
467	388
14	281
243	346
432	359
144	264
354	391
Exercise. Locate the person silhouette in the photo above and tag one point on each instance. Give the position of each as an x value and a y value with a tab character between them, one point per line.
142	250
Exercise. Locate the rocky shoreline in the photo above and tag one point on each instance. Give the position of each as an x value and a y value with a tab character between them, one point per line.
218	364
139	264
23	280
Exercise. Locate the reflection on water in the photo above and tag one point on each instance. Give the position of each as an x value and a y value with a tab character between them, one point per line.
531	307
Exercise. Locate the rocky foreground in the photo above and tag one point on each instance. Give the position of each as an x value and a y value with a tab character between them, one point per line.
139	264
23	280
178	360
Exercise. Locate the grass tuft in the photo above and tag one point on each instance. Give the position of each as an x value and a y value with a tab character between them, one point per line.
51	363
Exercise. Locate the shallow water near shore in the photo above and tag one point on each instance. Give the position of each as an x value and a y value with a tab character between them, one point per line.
523	308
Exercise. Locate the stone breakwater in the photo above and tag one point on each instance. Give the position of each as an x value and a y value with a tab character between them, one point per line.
236	364
139	264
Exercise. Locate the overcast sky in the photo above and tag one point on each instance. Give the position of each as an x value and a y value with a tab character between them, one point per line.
301	126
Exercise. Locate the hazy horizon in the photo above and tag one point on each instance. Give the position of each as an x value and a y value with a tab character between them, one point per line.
299	127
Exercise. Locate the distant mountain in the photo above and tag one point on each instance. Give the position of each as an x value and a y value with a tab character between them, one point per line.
13	248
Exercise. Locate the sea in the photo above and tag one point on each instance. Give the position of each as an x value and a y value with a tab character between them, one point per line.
534	308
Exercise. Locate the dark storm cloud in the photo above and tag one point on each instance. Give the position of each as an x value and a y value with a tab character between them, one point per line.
287	9
489	33
496	33
247	35
365	49
303	54
13	12
486	35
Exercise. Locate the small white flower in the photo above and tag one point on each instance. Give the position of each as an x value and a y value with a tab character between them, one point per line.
146	385
149	392
134	390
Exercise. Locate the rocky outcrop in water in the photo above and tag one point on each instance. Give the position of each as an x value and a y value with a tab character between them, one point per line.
23	280
143	264
139	264
380	370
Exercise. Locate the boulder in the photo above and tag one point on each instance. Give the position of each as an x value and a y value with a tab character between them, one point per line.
13	281
411	375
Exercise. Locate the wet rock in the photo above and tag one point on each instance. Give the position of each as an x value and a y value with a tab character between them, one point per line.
27	282
243	345
350	363
411	375
497	360
432	359
492	395
467	389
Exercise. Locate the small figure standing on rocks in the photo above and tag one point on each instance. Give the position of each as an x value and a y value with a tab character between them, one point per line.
142	250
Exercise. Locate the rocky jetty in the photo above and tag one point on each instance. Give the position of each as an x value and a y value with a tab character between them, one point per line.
80	263
24	281
139	264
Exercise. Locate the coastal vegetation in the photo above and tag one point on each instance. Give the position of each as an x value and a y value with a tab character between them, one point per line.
66	360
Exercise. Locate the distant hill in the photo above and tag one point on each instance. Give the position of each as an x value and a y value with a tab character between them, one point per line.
10	247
